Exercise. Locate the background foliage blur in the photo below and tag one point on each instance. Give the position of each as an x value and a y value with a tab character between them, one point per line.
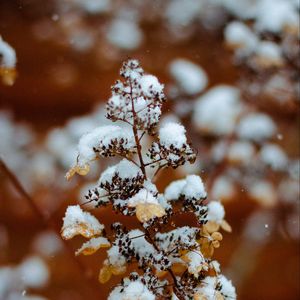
69	53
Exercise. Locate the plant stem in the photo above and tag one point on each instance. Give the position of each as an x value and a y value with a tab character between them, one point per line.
176	286
46	222
136	137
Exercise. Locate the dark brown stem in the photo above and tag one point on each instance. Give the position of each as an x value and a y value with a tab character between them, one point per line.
175	282
46	222
153	162
130	159
136	136
159	169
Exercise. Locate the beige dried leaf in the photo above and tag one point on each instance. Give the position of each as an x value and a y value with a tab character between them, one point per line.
216	244
207	248
225	226
201	296
93	245
79	222
8	75
105	274
178	268
217	236
119	270
81	170
161	274
78	229
211	226
147	211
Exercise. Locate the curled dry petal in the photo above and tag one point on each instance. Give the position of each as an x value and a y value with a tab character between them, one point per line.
79	222
105	274
211	226
93	245
108	270
147	211
201	296
8	75
225	226
81	170
217	236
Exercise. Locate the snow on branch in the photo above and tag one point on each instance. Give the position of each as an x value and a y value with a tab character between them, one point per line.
8	61
174	262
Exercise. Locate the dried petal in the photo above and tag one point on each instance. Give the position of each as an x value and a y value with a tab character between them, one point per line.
8	75
211	226
178	268
147	211
93	245
118	270
79	222
225	226
216	244
105	274
81	170
217	236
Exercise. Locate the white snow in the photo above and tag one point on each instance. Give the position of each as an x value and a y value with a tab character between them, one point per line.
8	58
263	192
274	156
207	288
124	169
172	134
143	196
275	16
269	53
173	190
227	289
93	6
196	262
194	187
133	290
190	187
241	151
150	85
239	35
256	126
215	212
34	272
190	77
93	243
243	9
217	110
138	243
223	189
124	34
102	136
168	240
75	217
47	244
182	15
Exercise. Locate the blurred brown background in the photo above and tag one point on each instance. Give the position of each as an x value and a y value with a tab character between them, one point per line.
55	83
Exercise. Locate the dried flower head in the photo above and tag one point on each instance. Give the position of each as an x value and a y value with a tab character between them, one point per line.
173	263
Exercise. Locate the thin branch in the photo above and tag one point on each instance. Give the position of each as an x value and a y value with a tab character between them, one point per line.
159	169
130	159
47	223
135	133
153	162
140	138
179	295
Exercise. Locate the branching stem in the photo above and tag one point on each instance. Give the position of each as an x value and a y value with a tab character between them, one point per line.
135	133
46	222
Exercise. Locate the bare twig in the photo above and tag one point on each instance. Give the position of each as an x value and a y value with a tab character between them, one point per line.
47	223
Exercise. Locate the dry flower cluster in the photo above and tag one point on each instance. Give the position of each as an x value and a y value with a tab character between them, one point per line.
172	262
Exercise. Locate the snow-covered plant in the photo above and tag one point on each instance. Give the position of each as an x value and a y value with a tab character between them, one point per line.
8	62
171	262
